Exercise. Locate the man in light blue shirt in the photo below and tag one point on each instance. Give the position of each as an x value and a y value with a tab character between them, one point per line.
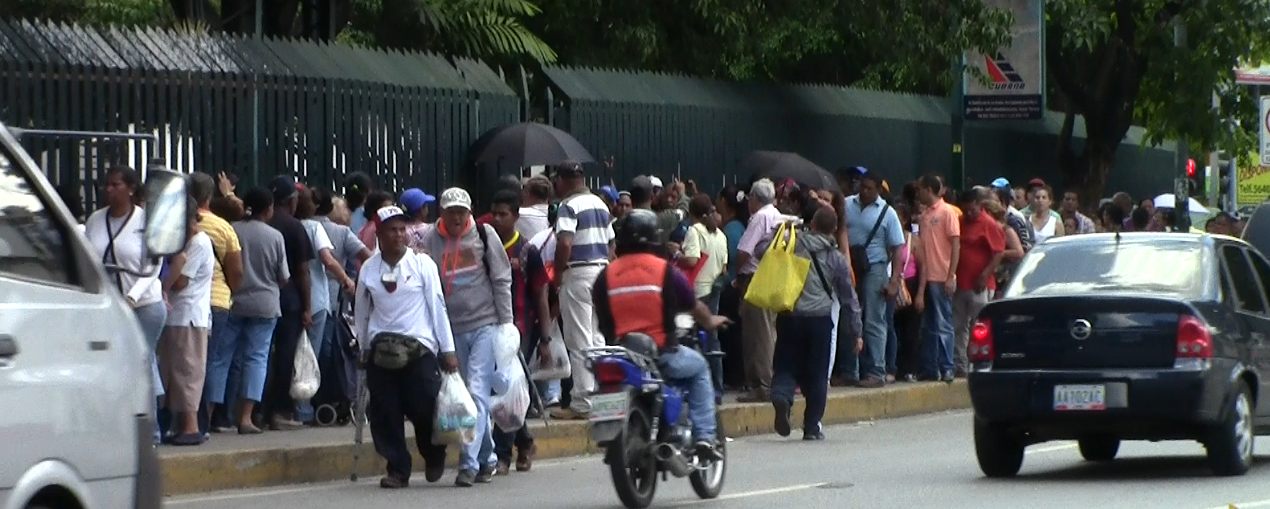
875	234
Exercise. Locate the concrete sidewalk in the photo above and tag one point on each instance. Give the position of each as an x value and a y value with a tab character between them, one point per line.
323	454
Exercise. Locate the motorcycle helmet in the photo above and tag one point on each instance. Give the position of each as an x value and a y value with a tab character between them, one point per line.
637	231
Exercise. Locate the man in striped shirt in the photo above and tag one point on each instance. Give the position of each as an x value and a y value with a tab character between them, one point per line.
584	243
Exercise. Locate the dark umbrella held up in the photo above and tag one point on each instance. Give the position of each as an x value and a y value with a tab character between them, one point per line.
788	165
529	144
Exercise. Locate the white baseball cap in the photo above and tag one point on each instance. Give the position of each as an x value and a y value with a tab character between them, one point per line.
390	212
656	182
455	197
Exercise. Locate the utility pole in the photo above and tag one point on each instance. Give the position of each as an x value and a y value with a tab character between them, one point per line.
957	107
1181	186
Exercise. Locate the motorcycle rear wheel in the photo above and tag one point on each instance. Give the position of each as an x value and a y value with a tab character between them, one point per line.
631	461
708	483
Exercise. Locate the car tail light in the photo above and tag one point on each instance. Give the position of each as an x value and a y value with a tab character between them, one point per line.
609	373
980	348
1193	339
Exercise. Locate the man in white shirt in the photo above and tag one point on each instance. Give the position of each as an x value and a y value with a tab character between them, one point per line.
758	336
535	202
400	316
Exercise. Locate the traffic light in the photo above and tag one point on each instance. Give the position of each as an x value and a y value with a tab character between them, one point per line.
1225	181
1196	178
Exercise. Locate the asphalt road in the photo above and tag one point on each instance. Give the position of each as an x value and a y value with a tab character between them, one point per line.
925	461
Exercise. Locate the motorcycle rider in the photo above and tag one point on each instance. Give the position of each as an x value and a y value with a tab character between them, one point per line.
642	292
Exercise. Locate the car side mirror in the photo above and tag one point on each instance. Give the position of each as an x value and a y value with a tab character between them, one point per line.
165	212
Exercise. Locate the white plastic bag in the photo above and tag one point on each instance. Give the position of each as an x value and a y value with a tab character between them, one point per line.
556	368
307	377
511	386
455	423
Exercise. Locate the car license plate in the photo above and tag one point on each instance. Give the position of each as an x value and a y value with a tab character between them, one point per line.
1080	397
609	407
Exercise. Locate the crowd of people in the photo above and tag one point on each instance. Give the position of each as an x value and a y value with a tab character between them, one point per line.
896	282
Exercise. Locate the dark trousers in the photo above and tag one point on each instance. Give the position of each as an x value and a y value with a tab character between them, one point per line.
802	358
286	338
397	395
730	338
503	441
908	332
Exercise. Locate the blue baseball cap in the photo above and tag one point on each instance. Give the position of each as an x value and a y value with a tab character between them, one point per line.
414	199
1001	183
609	192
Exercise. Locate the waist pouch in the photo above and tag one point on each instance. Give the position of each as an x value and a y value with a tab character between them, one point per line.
393	351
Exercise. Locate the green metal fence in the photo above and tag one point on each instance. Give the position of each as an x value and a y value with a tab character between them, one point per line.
254	107
700	129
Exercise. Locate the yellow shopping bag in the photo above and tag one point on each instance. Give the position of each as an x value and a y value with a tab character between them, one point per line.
780	276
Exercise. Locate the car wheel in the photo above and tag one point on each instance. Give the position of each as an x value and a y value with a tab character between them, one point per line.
1099	448
1230	442
999	452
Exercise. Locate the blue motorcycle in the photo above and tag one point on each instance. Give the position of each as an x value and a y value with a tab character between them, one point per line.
641	421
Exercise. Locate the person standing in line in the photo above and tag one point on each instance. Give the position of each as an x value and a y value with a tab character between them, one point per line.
255	312
297	314
504	212
346	249
705	254
758	338
227	272
357	190
117	234
940	233
535	202
375	201
400	305
733	214
183	347
982	249
875	232
584	246
322	271
539	265
415	202
476	278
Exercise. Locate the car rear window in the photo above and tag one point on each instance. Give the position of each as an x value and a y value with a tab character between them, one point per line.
1158	266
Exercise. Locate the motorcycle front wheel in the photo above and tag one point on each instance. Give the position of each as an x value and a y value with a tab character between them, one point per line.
631	461
708	482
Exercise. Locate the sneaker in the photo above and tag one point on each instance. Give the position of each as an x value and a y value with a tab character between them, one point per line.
284	424
502	468
525	459
812	436
569	414
783	410
465	479
553	402
389	482
948	376
485	474
755	396
871	383
433	474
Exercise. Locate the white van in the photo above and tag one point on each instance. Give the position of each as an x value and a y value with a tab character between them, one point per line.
75	387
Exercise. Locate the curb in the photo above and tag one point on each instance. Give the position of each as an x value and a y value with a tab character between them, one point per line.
228	470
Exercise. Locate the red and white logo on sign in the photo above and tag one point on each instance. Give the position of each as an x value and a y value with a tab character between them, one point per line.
1002	73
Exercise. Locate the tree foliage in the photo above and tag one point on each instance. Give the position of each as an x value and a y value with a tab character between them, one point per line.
1114	64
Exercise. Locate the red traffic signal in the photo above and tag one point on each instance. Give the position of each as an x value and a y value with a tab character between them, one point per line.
1190	167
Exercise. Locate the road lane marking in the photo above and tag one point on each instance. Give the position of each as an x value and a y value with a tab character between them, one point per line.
1051	448
748	494
1245	505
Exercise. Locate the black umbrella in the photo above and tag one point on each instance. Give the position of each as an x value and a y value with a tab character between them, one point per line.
529	144
788	165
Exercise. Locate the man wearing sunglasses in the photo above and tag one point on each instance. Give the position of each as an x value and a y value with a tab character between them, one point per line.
400	315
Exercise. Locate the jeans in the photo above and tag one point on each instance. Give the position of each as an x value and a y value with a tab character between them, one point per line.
245	337
549	391
397	395
316	333
689	367
152	318
966	307
892	340
937	345
802	360
712	346
504	440
580	330
873	309
475	349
